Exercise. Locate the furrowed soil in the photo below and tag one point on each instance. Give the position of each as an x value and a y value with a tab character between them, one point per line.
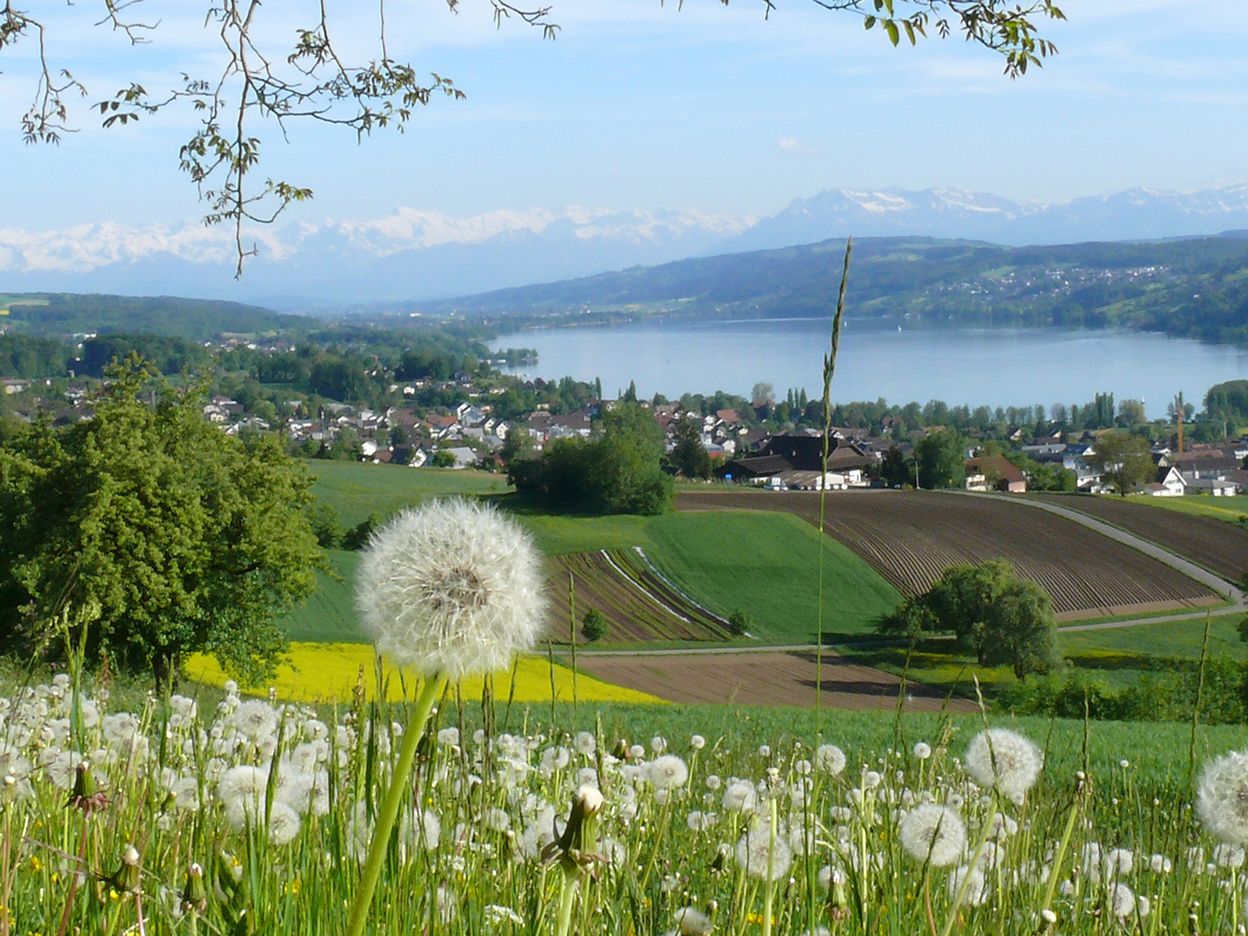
1219	546
764	678
910	537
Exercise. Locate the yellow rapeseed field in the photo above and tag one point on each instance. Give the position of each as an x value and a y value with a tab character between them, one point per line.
330	672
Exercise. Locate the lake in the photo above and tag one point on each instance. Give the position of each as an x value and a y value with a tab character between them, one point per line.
988	366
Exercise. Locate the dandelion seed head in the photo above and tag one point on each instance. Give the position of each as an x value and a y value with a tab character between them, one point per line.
452	588
692	922
1222	798
934	834
1005	760
755	849
1121	901
667	772
922	750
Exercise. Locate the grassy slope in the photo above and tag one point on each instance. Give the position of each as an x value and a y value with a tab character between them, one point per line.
356	490
767	567
1118	656
1221	508
762	564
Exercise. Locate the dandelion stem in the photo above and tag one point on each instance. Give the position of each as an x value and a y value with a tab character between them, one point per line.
769	891
429	694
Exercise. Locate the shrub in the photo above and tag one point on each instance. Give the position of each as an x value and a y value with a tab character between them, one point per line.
594	625
739	623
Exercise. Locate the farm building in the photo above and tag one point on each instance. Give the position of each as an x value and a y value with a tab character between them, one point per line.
994	473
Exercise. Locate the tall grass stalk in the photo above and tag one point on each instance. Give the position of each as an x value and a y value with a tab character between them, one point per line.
829	368
396	795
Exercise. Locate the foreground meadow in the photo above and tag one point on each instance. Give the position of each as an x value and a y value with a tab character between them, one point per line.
227	814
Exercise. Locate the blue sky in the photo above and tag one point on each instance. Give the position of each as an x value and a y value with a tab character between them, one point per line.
638	105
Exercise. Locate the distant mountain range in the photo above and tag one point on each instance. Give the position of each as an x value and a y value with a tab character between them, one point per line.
413	255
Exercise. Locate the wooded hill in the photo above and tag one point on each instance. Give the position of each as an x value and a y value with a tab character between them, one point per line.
1194	287
59	315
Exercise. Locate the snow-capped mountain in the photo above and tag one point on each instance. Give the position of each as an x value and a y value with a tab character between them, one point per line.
413	255
1134	214
407	254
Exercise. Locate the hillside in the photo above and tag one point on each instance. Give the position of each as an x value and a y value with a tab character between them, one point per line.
59	315
1195	287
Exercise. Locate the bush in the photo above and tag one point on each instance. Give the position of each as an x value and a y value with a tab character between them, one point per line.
739	623
594	625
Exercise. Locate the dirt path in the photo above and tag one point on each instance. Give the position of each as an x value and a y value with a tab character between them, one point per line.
763	677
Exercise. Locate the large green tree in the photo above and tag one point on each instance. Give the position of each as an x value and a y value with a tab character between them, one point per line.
688	457
1125	461
993	613
619	471
942	459
154	531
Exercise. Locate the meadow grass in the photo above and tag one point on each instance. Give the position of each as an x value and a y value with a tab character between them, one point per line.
355	490
1234	509
243	816
1118	656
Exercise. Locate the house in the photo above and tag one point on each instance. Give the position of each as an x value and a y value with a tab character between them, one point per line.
755	470
994	473
1218	487
1168	483
464	456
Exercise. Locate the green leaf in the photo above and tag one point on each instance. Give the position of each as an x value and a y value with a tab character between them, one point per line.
894	34
868	22
909	30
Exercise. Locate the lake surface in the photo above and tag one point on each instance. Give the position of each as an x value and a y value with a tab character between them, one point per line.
993	367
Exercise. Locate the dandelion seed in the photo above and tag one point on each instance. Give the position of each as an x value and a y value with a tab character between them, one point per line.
976	885
755	849
1222	798
1005	760
934	834
451	588
283	824
667	772
1121	901
692	922
739	796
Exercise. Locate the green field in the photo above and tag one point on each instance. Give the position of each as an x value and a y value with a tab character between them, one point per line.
764	565
1119	656
1234	509
355	490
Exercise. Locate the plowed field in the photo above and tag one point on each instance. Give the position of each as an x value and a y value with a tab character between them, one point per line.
763	678
910	537
638	603
1219	546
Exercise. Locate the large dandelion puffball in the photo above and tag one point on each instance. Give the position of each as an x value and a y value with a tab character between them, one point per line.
1004	759
934	834
1222	798
452	588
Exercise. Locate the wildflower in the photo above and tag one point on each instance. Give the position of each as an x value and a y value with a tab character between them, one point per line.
922	750
934	834
692	922
451	588
256	721
668	772
283	824
976	885
585	743
697	742
1226	855
1160	864
761	857
1004	759
739	796
830	759
1222	798
496	913
1121	901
